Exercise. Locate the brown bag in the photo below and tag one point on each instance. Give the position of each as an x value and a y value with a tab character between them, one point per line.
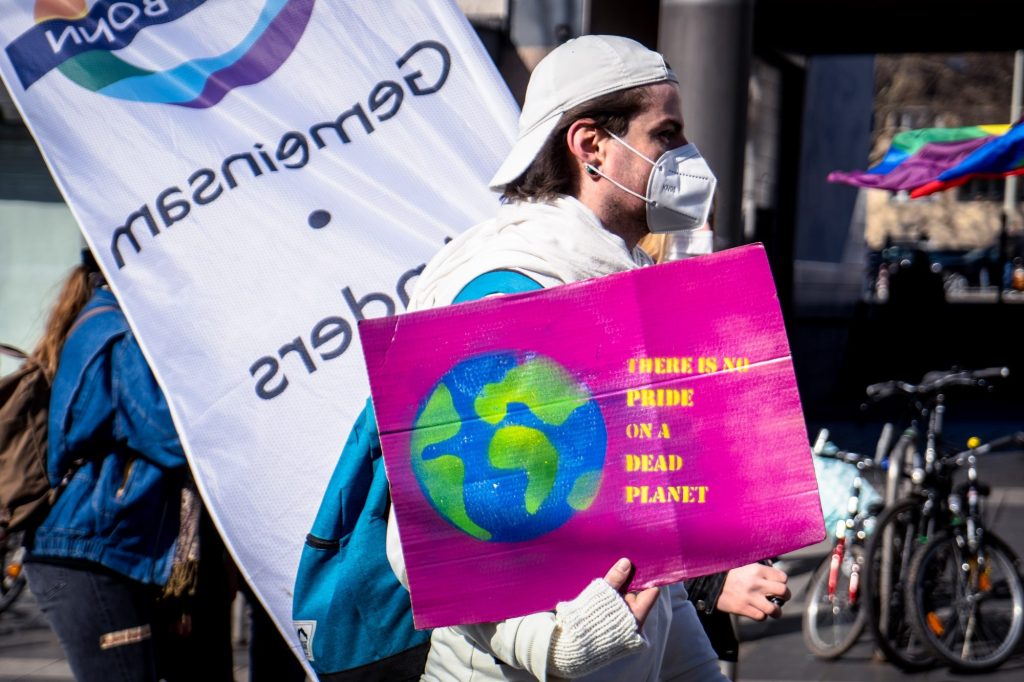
25	491
26	495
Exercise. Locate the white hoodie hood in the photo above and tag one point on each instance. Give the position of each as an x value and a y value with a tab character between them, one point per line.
551	242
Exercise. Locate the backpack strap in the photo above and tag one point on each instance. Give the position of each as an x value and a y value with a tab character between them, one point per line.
496	282
13	352
92	312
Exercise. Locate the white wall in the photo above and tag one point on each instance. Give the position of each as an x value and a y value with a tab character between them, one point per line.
39	244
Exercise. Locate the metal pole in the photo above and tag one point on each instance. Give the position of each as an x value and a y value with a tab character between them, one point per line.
709	45
1010	195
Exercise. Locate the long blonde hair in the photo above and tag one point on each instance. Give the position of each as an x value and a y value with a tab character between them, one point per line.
74	294
656	246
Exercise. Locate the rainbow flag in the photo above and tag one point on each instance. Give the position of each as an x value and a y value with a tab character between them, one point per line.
997	158
919	157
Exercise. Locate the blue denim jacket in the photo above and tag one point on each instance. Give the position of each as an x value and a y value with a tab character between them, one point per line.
122	506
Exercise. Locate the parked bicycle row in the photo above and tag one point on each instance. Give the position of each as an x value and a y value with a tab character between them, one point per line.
918	565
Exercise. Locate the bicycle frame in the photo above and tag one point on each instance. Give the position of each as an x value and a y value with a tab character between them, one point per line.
850	527
977	573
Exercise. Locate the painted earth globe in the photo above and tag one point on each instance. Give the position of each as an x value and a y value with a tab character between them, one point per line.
508	446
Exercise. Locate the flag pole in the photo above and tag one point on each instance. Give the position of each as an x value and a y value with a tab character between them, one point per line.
1010	188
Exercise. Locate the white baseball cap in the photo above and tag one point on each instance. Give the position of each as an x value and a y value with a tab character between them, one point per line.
575	72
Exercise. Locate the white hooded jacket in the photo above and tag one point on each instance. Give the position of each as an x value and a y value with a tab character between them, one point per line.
554	243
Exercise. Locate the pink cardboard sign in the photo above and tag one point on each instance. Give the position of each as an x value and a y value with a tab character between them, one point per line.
531	440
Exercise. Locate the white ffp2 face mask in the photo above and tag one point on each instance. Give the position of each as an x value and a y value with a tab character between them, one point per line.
679	189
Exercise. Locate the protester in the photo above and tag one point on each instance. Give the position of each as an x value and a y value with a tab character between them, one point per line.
99	562
600	161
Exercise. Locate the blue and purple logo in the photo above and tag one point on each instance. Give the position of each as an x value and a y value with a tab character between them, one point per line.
81	42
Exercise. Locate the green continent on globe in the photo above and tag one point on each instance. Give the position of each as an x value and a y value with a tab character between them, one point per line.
543	386
520	447
584	490
443	476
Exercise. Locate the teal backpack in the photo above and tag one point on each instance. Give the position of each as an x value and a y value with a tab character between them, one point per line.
352	616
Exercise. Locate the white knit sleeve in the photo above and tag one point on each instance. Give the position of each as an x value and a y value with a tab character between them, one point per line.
591	631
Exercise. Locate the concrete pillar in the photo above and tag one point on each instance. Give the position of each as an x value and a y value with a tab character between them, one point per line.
708	43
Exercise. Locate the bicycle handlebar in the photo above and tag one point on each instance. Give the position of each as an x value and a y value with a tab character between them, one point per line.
825	448
1013	439
934	381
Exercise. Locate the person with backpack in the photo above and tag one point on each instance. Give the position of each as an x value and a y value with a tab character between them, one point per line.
100	559
600	161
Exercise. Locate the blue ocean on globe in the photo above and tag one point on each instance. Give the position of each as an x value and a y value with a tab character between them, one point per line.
508	446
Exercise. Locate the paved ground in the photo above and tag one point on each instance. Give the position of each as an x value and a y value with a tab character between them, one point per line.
29	652
770	651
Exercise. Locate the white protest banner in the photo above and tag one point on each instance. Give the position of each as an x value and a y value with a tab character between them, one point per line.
255	177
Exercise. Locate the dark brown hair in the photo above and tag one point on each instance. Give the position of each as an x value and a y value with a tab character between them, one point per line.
552	171
73	296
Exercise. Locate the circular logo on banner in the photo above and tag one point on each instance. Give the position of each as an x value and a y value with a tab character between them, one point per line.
109	27
508	446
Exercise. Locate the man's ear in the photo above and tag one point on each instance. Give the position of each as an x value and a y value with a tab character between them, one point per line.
586	141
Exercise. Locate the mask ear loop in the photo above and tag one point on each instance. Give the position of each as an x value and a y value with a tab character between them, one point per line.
630	148
593	170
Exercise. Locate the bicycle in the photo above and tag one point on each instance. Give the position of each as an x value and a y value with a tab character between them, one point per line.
965	594
833	616
12	579
907	523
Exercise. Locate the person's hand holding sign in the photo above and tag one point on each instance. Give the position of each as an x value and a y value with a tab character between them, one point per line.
755	591
639	603
593	629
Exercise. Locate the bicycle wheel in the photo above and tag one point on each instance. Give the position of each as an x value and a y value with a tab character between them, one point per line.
832	625
968	606
12	578
892	543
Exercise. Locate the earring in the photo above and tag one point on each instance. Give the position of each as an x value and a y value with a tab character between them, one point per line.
593	172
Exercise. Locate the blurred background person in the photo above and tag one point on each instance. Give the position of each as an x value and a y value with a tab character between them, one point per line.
126	522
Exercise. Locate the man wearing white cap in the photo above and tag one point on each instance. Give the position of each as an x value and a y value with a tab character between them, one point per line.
600	161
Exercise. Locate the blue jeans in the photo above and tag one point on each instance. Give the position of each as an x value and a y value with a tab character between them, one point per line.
105	622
